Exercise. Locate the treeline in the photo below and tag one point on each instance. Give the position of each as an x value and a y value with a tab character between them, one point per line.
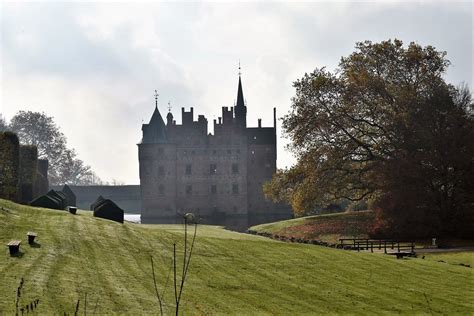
386	129
39	130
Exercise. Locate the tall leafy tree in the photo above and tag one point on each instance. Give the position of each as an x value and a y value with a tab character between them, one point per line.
385	120
39	129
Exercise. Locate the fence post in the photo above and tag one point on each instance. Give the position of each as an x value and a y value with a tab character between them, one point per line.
372	247
385	246
398	245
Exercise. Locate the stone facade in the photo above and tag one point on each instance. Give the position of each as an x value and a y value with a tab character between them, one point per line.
219	177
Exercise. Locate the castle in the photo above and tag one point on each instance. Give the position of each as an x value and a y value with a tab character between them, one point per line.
219	177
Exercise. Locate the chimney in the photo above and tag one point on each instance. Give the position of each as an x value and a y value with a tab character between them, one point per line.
259	123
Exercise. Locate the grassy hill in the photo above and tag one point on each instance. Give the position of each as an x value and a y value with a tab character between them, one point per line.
328	227
231	273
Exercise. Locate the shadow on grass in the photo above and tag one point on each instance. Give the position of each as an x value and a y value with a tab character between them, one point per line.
19	254
35	245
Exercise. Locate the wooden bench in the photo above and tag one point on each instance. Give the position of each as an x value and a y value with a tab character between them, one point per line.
14	246
31	237
400	255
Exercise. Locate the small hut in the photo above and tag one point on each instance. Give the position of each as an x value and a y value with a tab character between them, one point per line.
109	210
71	197
99	200
47	201
60	196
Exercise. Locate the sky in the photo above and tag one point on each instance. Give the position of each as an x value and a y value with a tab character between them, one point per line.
94	66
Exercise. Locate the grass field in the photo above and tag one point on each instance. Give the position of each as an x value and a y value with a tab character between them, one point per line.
328	227
457	258
230	273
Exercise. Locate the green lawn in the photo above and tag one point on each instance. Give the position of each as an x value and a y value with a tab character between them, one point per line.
231	273
458	258
327	227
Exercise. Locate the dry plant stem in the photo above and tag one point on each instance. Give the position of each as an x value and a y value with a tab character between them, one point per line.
85	304
174	270
166	283
156	288
95	307
18	295
77	307
186	267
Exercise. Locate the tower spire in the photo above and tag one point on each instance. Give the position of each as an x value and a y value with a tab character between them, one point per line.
240	108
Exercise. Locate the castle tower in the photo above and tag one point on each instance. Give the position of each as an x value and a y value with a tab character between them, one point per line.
157	161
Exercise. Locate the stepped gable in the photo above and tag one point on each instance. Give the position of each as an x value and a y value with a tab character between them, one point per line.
109	210
71	197
97	202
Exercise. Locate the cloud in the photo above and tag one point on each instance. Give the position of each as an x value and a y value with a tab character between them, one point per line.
94	66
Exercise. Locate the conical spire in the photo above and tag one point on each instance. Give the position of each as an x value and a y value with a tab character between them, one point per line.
155	131
240	108
240	95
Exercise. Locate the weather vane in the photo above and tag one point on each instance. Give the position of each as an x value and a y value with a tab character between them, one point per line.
169	106
239	68
156	98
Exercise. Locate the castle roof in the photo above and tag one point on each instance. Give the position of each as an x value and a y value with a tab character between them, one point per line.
240	95
155	131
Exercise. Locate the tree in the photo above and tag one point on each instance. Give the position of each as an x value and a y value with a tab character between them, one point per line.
3	124
39	129
384	121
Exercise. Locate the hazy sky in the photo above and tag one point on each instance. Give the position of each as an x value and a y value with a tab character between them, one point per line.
94	66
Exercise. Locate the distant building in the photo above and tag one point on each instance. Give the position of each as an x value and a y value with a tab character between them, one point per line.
219	177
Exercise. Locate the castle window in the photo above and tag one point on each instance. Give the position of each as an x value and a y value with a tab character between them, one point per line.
188	169
213	189
235	168
212	168
161	171
161	189
229	151
189	189
235	188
